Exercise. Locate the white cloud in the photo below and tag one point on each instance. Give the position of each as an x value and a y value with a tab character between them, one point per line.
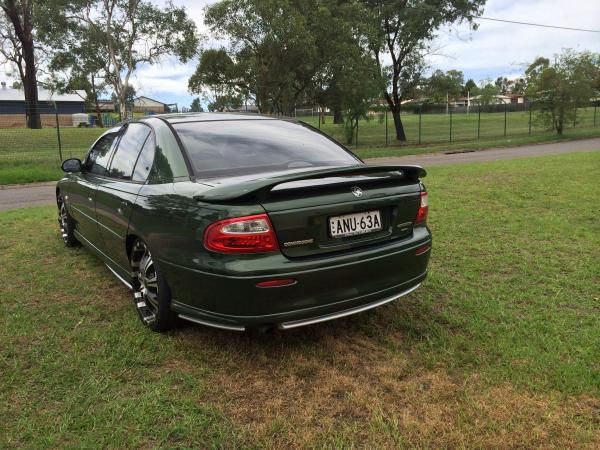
498	48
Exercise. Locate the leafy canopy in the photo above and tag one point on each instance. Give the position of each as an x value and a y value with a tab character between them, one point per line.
558	88
403	31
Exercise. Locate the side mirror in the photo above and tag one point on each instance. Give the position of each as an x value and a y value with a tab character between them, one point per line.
71	165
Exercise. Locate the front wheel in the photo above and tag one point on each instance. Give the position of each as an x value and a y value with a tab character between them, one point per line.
66	224
151	294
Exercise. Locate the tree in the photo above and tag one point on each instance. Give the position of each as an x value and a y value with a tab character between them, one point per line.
21	20
519	86
404	32
196	106
503	85
129	101
443	87
218	77
470	88
272	46
488	94
225	103
80	64
558	88
134	32
339	54
360	85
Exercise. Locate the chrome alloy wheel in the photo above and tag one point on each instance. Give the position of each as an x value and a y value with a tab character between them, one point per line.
63	222
145	282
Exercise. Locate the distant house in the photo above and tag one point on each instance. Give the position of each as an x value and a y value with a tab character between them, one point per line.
517	98
474	100
105	106
149	105
13	109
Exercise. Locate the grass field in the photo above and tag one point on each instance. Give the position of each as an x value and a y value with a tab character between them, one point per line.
32	155
435	128
499	348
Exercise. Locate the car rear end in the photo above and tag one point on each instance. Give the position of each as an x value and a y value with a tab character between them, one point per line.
294	246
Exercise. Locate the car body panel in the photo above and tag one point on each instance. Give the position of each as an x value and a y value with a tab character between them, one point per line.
171	210
114	203
81	192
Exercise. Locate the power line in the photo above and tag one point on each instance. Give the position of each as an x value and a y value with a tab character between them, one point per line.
515	22
531	24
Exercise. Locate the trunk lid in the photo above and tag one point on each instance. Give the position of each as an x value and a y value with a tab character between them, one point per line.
304	206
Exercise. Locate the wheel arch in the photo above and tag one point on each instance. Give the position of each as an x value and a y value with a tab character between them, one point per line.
129	241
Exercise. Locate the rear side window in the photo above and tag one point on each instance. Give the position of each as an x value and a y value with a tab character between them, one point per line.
98	157
144	162
240	147
128	150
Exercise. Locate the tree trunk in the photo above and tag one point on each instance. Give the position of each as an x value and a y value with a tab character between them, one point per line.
99	114
30	88
322	114
560	122
96	103
23	31
337	114
122	104
400	135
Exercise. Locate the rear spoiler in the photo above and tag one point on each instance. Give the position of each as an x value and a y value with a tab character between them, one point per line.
232	191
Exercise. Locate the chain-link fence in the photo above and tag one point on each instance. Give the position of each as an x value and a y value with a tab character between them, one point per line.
65	131
34	154
430	125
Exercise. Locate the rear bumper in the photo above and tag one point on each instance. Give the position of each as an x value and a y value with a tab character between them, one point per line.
326	288
345	312
299	318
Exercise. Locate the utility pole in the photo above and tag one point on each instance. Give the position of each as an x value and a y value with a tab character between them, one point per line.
446	102
505	119
450	125
420	117
468	102
479	123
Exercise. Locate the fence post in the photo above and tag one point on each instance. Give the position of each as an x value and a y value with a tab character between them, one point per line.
386	129
575	118
478	122
450	110
420	116
356	131
595	106
58	133
530	108
505	105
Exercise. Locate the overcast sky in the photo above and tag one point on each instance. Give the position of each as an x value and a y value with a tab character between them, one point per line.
494	49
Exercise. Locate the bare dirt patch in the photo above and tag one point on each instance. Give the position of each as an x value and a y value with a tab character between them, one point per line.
336	387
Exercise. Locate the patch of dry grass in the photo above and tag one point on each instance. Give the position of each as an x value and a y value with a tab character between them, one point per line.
336	387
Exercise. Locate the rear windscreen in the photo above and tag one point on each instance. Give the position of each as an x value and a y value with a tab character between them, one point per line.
241	147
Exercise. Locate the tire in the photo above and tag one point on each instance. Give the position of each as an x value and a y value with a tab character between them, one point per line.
151	293
66	224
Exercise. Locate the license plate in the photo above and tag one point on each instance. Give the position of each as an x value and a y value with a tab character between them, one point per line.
353	224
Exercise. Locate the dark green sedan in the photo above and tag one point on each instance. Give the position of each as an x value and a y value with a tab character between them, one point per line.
237	222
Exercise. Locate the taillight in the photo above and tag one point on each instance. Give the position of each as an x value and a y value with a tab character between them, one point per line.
423	207
249	234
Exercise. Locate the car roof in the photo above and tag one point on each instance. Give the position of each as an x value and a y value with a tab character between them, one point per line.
209	116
